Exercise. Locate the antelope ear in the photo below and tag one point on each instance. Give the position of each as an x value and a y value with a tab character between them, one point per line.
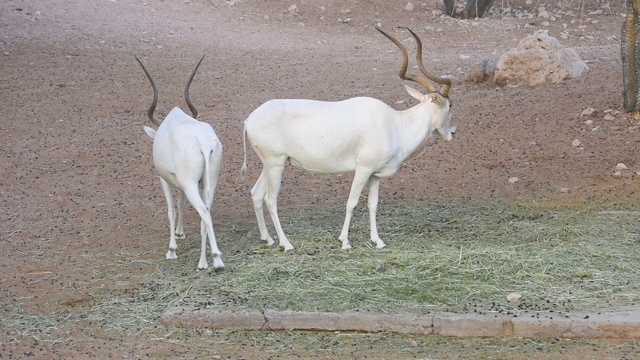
415	93
436	99
151	132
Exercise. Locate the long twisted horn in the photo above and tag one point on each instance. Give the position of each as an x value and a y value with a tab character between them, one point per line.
192	107
152	108
405	62
446	83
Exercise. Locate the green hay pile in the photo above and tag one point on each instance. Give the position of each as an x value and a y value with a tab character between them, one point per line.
450	257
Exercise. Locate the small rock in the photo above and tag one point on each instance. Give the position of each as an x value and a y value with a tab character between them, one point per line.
513	180
514	297
576	143
587	112
542	12
293	9
481	71
617	174
409	6
621	167
609	117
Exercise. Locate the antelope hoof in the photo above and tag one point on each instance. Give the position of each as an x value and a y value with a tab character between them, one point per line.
286	247
203	265
346	246
217	262
171	254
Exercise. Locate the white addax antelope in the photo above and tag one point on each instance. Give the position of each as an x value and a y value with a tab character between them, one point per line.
361	134
187	155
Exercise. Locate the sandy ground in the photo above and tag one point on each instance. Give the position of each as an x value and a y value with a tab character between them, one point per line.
80	196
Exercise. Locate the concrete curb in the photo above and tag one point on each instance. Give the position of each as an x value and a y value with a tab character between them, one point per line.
619	324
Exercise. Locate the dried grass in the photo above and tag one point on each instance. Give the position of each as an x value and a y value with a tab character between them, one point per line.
451	257
458	257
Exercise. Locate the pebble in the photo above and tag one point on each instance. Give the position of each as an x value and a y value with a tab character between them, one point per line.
621	167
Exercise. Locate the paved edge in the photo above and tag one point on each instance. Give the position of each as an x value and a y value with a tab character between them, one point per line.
619	324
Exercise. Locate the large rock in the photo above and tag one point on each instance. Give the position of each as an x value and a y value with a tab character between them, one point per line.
539	58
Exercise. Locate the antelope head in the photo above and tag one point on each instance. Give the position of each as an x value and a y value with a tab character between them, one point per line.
439	98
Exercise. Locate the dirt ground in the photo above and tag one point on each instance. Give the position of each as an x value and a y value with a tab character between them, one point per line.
80	198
